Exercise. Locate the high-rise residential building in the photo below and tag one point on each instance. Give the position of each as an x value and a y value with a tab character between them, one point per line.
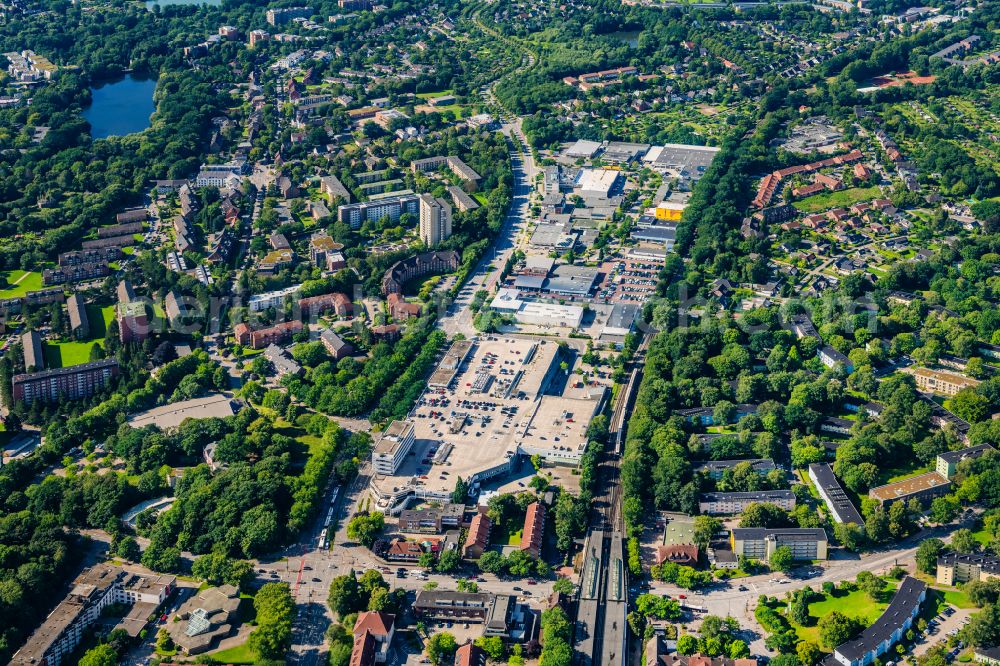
435	220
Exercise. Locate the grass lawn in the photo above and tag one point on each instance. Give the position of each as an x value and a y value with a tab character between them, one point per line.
855	604
19	283
480	197
514	538
837	199
983	536
431	95
894	474
309	442
958	598
239	654
65	354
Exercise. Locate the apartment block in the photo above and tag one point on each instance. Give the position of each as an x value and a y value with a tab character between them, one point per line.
948	461
954	568
93	590
435	220
356	214
71	383
833	494
760	543
924	488
941	382
888	630
732	503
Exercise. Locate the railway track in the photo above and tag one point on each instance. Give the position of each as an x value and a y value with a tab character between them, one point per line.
600	631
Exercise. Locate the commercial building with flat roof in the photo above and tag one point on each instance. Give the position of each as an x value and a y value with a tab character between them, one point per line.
888	630
432	520
924	488
948	461
392	447
953	568
499	411
569	280
451	605
730	503
759	543
601	183
840	505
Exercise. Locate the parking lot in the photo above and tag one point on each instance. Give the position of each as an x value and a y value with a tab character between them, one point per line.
946	624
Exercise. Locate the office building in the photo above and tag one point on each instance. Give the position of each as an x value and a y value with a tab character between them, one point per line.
948	461
954	568
888	630
924	488
732	503
759	543
435	220
70	383
392	447
837	501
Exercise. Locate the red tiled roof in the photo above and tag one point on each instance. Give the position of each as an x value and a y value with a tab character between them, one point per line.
375	623
534	528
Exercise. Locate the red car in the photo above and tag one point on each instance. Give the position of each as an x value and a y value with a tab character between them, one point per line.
682	596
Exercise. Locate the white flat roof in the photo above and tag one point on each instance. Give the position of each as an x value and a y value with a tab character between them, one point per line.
583	148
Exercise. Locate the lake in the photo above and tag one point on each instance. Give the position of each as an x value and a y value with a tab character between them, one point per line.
631	37
120	107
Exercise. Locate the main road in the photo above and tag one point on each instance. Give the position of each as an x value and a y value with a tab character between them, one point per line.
458	317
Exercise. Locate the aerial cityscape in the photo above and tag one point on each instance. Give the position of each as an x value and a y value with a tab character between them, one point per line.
500	333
